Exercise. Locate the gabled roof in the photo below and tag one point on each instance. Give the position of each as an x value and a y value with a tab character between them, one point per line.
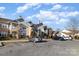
65	31
4	19
25	24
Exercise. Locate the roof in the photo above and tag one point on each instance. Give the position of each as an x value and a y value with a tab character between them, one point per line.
4	19
65	31
26	24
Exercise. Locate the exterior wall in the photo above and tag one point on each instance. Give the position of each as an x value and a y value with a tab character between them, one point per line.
7	27
4	25
3	34
14	30
50	33
22	32
29	32
3	29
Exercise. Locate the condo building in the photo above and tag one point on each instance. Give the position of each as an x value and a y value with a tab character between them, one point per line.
8	27
14	29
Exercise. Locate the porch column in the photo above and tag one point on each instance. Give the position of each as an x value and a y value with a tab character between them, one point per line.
17	29
10	28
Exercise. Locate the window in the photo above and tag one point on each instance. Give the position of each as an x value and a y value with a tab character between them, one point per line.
3	34
0	34
4	25
13	27
0	25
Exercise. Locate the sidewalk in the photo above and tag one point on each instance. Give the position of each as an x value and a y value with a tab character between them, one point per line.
20	40
12	41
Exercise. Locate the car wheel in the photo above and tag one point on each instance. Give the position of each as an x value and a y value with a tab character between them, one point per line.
61	39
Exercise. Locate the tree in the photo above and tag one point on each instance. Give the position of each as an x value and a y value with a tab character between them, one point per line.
73	25
20	19
45	27
30	22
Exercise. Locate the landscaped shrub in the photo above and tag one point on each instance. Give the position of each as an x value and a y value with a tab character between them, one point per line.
76	37
4	38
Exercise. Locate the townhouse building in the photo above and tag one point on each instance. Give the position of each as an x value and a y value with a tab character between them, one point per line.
8	28
19	29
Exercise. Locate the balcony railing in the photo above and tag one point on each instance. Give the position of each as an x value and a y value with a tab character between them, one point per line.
4	28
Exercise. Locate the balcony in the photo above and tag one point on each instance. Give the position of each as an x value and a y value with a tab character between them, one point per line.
14	30
4	29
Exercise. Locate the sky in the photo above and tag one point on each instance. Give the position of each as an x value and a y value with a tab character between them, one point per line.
54	15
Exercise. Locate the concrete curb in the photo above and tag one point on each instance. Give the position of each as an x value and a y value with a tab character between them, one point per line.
9	41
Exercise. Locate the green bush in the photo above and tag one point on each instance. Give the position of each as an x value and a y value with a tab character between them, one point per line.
4	38
76	37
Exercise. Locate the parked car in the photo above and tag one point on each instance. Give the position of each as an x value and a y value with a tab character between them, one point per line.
66	37
62	37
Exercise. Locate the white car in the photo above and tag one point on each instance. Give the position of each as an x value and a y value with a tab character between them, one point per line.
66	37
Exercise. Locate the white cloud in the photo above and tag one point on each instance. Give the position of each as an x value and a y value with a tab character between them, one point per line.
2	15
57	17
56	7
63	20
65	7
43	15
29	18
2	8
67	14
38	6
48	22
75	13
62	14
23	8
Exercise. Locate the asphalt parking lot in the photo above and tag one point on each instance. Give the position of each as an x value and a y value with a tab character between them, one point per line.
50	48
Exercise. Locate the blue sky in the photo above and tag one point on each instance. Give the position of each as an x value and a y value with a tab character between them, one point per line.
54	15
